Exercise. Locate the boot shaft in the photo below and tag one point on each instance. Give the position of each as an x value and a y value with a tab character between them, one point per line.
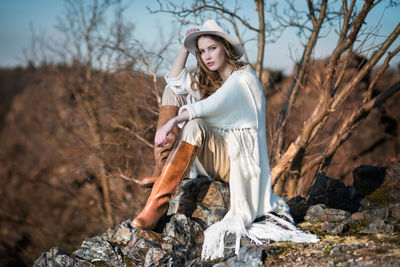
179	160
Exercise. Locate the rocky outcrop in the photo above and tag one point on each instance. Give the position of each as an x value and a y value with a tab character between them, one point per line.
56	257
371	204
366	179
333	211
369	181
176	241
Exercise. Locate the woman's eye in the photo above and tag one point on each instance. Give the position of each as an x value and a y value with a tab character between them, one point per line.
201	52
212	48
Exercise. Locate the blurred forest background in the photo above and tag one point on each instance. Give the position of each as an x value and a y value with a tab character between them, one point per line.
77	121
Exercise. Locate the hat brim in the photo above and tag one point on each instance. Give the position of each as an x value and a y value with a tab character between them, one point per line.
191	39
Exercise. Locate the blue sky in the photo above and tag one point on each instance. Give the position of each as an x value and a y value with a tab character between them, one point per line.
16	16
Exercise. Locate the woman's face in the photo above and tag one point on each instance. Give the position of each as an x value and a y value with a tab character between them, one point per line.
212	53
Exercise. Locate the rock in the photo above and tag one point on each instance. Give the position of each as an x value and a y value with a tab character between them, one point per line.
155	257
184	199
340	229
368	178
395	211
56	257
204	201
160	258
360	216
371	215
142	242
350	198
345	198
379	226
298	208
365	204
338	250
340	199
213	206
198	263
388	193
335	215
99	249
335	228
178	238
333	193
249	255
319	213
229	245
393	173
324	184
352	263
173	261
182	236
122	233
314	213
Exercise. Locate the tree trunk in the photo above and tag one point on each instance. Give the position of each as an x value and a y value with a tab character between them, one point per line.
261	39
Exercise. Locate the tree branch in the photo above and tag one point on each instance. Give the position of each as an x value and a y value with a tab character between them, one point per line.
349	125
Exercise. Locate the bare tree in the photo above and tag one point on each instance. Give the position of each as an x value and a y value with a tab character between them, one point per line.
97	49
320	17
84	129
150	60
333	93
83	25
98	43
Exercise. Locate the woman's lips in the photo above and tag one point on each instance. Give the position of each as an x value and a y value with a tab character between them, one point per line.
210	64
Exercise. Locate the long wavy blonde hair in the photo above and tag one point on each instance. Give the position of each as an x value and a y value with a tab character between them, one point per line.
209	81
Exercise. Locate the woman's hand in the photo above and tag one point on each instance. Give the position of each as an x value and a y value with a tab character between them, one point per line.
161	134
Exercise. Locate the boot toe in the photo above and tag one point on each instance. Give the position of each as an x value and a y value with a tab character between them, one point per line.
138	223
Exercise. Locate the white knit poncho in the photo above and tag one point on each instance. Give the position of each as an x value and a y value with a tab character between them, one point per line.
237	111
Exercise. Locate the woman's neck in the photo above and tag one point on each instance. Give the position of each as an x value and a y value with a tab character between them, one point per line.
225	72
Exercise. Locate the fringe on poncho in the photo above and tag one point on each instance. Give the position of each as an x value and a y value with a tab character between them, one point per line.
239	220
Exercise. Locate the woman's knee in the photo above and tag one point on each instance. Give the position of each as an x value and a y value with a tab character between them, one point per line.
194	131
196	125
170	98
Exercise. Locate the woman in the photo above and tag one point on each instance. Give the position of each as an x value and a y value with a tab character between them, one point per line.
226	131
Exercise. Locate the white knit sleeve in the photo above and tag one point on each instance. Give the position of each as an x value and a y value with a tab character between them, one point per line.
181	84
189	109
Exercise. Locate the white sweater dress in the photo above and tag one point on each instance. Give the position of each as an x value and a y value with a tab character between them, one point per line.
237	111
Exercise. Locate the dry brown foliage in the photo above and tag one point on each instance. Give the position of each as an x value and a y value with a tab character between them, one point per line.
49	166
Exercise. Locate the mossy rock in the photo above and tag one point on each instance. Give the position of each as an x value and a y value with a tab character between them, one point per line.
385	195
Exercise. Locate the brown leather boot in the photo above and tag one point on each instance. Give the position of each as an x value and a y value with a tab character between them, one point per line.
178	162
161	153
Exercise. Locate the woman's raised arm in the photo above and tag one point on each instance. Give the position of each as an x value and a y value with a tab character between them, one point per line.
179	63
180	60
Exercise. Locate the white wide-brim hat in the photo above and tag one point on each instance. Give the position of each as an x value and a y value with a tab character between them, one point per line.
212	27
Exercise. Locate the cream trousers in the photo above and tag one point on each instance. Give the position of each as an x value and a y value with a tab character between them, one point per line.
212	149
